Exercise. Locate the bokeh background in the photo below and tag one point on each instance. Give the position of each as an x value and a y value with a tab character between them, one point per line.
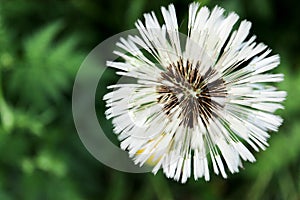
42	44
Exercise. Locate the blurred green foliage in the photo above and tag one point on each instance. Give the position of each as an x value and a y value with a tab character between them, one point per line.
42	45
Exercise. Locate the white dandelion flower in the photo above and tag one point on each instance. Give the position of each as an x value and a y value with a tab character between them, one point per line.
202	103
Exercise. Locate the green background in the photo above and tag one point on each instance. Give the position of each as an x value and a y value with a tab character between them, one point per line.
42	44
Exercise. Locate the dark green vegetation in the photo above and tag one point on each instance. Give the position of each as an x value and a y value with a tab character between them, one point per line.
42	44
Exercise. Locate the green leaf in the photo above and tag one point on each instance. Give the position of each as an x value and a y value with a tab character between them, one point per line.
48	162
7	116
47	68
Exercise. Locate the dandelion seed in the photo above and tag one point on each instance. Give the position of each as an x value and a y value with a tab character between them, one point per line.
203	103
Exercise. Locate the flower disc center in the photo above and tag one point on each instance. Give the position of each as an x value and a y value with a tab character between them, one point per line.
196	95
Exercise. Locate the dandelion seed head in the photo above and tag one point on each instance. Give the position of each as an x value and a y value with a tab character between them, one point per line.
196	106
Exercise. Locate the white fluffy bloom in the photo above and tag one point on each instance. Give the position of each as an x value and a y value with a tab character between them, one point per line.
204	100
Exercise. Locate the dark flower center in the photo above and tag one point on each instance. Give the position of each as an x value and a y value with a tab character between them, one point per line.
182	86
